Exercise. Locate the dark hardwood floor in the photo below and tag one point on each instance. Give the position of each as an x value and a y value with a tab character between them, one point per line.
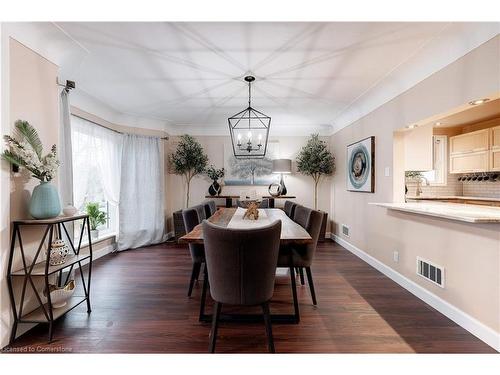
140	306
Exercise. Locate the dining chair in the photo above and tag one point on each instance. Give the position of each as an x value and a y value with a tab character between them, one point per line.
241	265
289	208
301	256
191	218
210	208
263	204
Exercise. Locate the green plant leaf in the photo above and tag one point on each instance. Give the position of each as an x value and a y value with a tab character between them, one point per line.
24	131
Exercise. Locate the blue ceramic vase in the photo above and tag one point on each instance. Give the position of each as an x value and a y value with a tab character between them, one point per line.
44	203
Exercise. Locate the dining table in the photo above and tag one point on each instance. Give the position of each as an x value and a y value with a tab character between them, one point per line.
292	234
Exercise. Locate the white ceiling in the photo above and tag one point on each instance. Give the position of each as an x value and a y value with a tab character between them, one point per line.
189	76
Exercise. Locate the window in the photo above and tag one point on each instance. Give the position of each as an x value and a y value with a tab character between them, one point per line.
438	176
96	170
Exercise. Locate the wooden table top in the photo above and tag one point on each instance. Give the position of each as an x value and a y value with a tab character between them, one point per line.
55	220
291	232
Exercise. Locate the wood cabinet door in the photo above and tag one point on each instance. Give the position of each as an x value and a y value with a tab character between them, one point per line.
495	159
495	138
470	142
470	162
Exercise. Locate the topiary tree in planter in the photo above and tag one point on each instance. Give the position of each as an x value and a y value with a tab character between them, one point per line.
315	160
188	160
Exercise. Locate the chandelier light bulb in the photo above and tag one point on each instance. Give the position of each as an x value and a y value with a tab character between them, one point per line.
249	135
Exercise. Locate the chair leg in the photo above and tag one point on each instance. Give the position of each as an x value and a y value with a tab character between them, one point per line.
194	276
215	324
269	330
311	285
294	293
301	273
197	275
203	294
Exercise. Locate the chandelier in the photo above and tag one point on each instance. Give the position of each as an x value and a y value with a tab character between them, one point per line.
249	130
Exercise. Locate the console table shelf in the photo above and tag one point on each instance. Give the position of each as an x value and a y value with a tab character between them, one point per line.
45	312
229	198
38	316
39	268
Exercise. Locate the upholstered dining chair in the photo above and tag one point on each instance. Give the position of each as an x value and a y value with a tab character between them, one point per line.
289	208
300	257
192	218
241	266
210	208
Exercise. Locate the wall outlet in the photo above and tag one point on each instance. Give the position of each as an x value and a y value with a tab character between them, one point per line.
387	172
395	256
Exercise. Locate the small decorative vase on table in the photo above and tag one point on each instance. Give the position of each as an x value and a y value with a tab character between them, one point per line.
214	174
44	202
215	188
58	252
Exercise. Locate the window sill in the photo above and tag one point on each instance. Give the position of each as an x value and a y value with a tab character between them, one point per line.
103	237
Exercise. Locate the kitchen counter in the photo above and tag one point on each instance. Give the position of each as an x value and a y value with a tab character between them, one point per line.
453	211
451	197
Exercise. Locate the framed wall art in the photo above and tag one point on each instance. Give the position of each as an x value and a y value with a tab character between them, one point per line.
361	166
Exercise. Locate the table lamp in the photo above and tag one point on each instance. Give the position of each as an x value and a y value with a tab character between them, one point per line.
282	166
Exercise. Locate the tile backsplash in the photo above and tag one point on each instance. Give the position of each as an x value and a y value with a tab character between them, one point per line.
452	187
486	189
481	189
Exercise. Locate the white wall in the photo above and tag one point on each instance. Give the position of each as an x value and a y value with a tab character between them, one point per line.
470	253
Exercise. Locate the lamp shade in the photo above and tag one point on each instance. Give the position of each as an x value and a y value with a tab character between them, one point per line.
282	166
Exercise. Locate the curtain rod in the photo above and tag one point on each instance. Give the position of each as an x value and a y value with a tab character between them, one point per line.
113	130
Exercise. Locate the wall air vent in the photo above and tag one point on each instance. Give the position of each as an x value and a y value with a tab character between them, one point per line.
345	230
430	272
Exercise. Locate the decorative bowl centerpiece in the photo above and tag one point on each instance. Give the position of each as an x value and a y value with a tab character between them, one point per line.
59	295
58	252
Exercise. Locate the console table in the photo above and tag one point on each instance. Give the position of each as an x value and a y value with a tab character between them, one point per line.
229	198
40	268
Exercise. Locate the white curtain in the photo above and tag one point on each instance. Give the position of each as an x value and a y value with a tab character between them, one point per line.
97	152
141	212
64	152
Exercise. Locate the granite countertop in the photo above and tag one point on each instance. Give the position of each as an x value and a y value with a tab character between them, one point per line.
453	211
445	197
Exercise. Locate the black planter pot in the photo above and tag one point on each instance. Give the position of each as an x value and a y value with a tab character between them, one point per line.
214	189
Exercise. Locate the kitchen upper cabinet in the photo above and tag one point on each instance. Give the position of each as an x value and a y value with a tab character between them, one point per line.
495	149
495	138
495	160
419	149
470	152
470	142
470	162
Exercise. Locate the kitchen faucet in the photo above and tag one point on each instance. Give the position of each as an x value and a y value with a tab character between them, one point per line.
419	185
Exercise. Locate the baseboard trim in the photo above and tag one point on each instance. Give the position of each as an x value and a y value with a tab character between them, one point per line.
464	320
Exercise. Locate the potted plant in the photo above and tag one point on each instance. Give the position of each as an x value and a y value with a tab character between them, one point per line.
26	151
188	160
96	218
214	174
316	160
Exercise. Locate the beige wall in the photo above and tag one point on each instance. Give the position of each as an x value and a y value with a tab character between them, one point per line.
297	185
33	96
470	253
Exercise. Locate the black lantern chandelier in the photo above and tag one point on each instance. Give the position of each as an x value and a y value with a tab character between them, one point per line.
249	130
